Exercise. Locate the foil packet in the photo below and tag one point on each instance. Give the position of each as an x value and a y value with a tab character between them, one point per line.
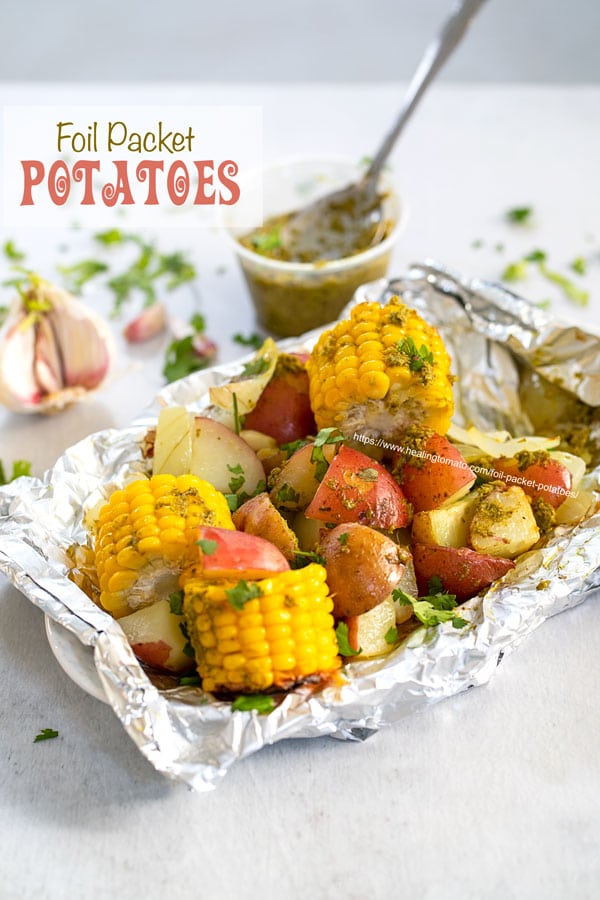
493	336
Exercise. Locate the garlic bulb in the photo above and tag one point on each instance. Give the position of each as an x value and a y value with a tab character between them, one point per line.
53	349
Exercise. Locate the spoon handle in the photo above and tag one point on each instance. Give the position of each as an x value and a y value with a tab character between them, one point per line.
436	54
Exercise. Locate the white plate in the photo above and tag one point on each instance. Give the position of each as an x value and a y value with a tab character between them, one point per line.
75	659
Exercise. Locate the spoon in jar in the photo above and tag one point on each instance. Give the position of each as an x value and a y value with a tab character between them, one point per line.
349	220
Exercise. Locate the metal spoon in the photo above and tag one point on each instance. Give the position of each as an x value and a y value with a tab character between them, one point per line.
351	219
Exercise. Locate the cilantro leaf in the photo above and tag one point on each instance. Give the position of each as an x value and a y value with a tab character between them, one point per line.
181	359
262	703
11	252
242	593
189	680
176	603
290	448
266	240
19	467
111	236
287	494
46	734
391	635
519	214
432	609
198	323
250	340
305	557
77	275
341	633
417	357
256	366
579	265
515	271
568	287
188	650
343	538
325	436
207	546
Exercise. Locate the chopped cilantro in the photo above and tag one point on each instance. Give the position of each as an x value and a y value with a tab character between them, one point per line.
519	214
45	734
304	557
417	357
290	448
262	703
188	650
207	546
343	538
181	359
544	304
19	467
569	289
11	252
111	236
579	265
536	256
77	275
242	593
198	323
287	494
268	240
391	635
256	366
341	633
234	501
515	271
185	680
432	609
176	603
477	244
236	470
499	248
238	480
325	436
250	340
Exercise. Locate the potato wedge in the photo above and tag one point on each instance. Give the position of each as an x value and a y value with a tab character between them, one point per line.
367	632
258	516
363	567
503	524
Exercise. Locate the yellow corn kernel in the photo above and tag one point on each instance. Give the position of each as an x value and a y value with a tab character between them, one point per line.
365	375
146	535
275	643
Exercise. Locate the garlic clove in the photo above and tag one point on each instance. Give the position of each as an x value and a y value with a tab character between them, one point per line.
148	324
53	350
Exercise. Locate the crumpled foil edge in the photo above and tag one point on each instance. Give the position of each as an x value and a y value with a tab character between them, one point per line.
189	736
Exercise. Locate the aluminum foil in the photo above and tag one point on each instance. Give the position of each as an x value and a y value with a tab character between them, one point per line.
191	737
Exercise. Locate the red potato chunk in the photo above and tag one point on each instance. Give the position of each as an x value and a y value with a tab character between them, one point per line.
294	486
440	477
358	489
538	474
234	554
258	516
462	571
363	567
283	409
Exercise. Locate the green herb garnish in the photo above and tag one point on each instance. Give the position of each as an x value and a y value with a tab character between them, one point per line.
187	650
432	609
341	633
262	703
290	448
417	357
242	593
77	275
515	271
46	734
192	680
391	635
256	366
207	546
11	252
250	340
304	557
325	436
287	494
343	538
266	240
19	467
579	265
519	214
569	288
176	603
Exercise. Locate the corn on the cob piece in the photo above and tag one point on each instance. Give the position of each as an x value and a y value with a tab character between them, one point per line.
380	371
146	534
282	632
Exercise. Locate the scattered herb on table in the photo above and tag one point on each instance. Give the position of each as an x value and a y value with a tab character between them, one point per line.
579	265
251	340
190	353
19	467
46	734
519	215
11	252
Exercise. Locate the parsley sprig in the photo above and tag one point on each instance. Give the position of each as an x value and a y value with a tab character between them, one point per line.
436	607
417	356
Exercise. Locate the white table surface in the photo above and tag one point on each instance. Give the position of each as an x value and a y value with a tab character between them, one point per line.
492	794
